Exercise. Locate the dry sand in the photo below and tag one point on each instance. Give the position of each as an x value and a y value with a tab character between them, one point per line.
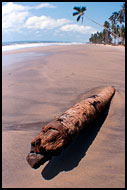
39	84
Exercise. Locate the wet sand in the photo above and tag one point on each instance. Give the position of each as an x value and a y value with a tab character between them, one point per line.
39	84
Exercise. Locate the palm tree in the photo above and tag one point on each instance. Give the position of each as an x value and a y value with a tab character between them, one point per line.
121	20
113	20
115	17
91	38
123	34
118	32
99	37
123	9
80	12
107	33
112	24
102	37
95	38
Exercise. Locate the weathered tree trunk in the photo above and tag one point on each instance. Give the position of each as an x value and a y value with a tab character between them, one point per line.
56	135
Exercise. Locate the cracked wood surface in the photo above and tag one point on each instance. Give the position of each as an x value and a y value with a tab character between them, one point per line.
59	133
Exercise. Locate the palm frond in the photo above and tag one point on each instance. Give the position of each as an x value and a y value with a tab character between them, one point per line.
83	9
111	18
75	13
78	18
77	9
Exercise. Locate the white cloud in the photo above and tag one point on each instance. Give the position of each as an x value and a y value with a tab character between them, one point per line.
78	28
42	5
10	7
15	15
14	21
44	22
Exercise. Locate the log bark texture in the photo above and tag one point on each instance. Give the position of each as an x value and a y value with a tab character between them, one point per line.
59	133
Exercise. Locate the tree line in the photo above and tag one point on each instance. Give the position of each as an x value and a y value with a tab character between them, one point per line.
115	29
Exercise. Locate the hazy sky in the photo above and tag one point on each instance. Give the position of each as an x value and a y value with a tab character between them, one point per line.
53	21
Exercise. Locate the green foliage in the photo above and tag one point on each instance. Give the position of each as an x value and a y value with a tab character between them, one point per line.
100	37
112	29
80	12
116	29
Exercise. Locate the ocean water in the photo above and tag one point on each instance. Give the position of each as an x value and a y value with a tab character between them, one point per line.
9	46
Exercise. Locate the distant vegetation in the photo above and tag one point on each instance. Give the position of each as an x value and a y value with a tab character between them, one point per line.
114	30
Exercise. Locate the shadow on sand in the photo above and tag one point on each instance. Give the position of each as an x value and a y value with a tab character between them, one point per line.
71	156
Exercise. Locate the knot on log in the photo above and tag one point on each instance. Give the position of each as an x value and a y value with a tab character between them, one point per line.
52	137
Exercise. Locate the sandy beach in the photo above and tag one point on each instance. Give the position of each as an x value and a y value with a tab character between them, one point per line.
39	84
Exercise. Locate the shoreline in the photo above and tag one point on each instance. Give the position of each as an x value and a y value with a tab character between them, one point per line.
41	46
38	85
46	48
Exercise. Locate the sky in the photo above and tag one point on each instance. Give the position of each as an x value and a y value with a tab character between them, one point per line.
53	21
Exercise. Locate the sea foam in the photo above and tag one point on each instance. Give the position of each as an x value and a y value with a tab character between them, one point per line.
15	45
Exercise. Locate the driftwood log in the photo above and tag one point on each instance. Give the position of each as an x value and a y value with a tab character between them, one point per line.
59	133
